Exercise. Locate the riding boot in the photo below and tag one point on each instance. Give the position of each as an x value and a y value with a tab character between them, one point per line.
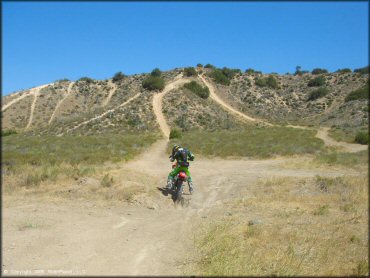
169	184
191	186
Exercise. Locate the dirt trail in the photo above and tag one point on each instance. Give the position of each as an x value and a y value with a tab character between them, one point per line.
103	114
346	147
157	104
61	102
111	92
322	133
33	91
227	106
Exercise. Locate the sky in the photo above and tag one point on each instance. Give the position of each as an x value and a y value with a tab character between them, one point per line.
46	41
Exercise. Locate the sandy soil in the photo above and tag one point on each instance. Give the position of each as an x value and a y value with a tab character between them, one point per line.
101	238
111	92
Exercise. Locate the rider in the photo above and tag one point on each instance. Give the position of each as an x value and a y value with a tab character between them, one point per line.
181	155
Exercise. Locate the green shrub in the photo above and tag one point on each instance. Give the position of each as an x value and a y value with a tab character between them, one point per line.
250	71
321	92
153	83
156	72
200	91
86	79
362	138
219	77
362	93
224	75
267	82
118	77
190	72
345	70
199	65
175	133
8	132
316	82
63	80
363	70
319	71
209	66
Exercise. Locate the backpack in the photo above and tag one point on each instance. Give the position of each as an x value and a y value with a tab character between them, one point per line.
184	157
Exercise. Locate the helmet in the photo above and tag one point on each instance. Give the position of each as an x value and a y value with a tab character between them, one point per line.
175	148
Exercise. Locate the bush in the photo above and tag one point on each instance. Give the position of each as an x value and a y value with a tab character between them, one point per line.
86	79
219	77
190	72
249	71
362	138
200	91
362	93
316	82
153	83
267	82
175	133
199	66
156	72
107	181
118	77
224	75
363	70
319	71
209	66
8	132
321	92
346	70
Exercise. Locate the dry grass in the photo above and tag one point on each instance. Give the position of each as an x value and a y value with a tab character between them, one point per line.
290	226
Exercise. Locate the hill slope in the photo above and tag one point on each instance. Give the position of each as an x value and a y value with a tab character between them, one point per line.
92	106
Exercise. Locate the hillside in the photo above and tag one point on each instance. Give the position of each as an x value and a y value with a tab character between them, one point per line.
90	106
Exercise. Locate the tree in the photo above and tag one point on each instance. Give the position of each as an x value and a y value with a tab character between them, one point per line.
118	77
190	72
156	72
319	71
153	83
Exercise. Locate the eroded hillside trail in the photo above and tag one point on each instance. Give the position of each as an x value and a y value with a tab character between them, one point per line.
35	92
152	237
31	92
69	89
102	114
322	132
113	88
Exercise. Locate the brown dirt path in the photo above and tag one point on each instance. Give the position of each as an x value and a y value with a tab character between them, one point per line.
61	101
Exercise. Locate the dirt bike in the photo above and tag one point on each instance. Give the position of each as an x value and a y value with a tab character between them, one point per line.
178	184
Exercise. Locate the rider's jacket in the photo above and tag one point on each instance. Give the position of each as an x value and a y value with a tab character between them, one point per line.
182	156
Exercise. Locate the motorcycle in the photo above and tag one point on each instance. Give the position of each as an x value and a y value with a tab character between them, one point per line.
178	184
